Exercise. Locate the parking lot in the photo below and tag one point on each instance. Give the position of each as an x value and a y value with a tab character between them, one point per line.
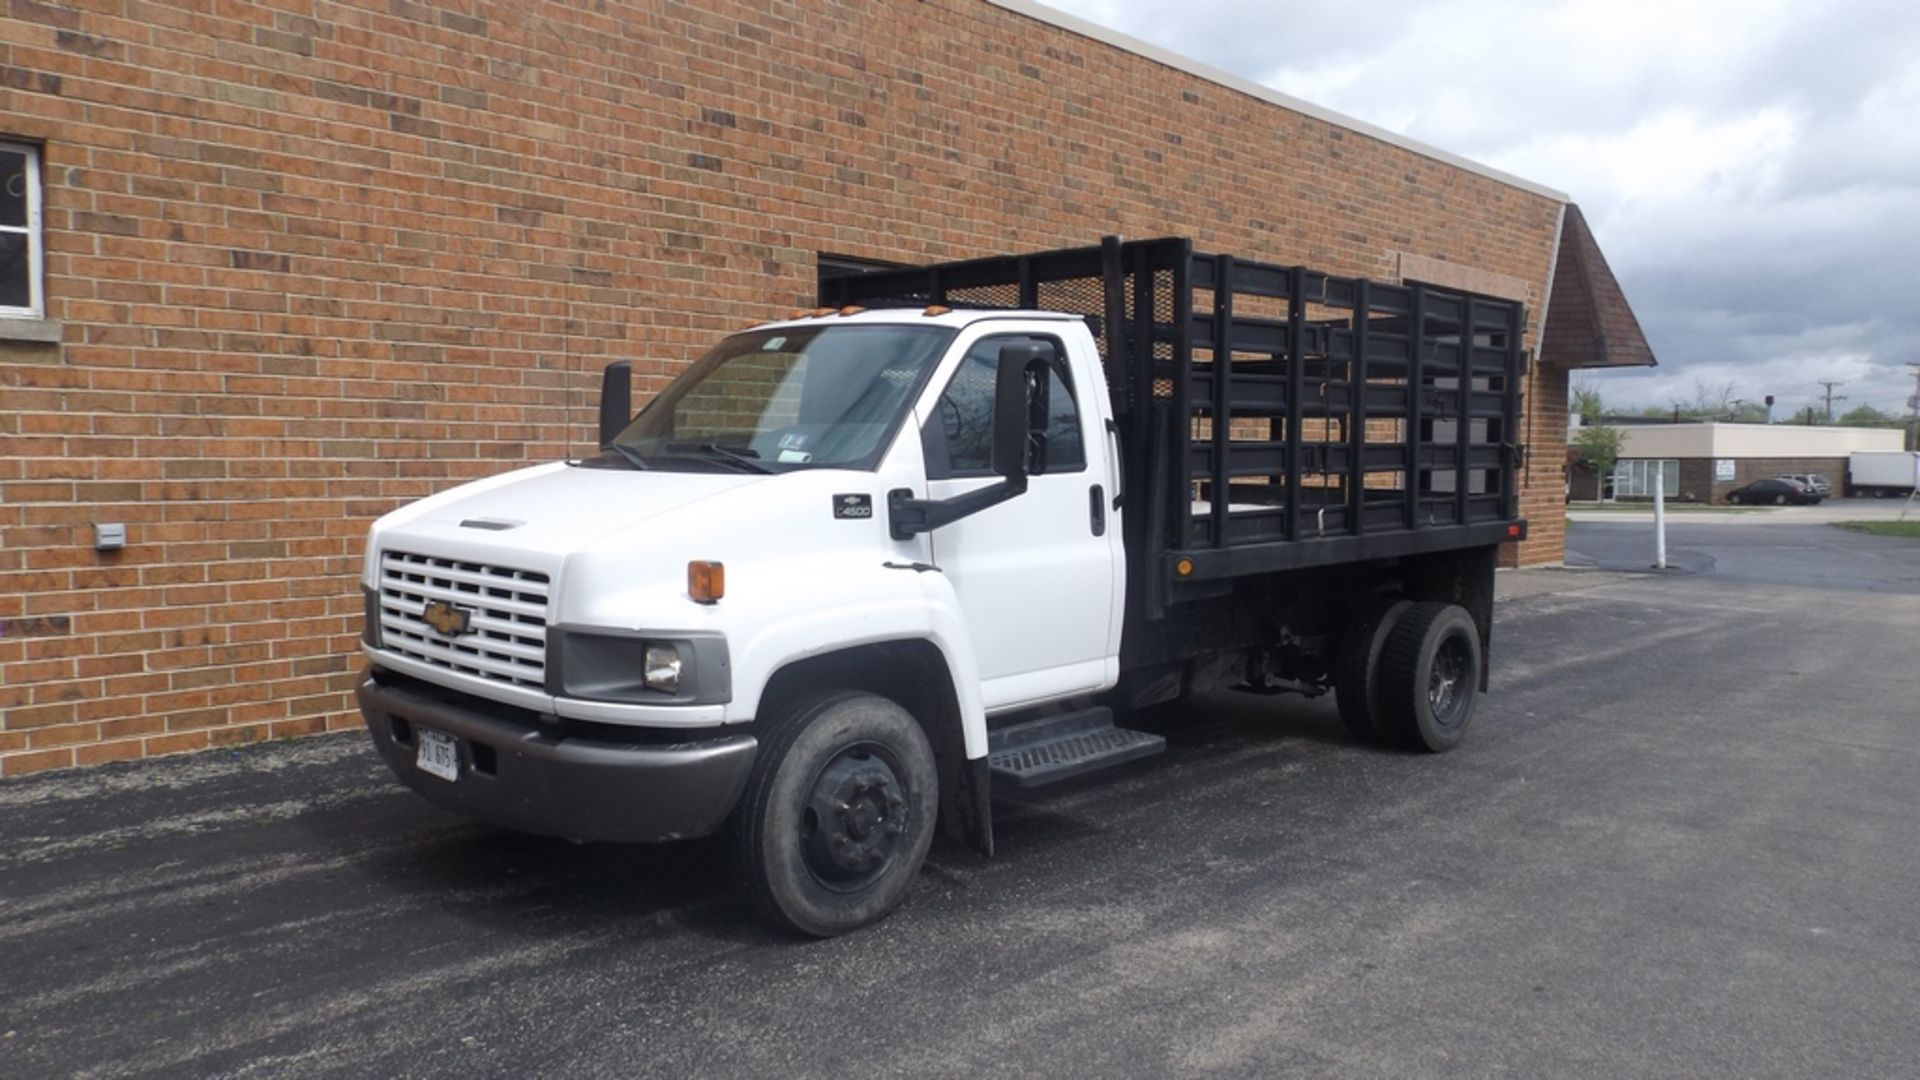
1678	841
1767	546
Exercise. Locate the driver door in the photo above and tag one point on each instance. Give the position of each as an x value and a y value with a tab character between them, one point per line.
1035	574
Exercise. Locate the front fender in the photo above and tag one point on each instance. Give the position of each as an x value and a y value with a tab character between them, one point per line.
898	603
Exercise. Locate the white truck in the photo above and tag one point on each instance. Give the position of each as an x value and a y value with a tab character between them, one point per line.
854	569
1882	473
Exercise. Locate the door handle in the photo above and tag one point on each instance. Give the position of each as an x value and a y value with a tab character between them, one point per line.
1097	507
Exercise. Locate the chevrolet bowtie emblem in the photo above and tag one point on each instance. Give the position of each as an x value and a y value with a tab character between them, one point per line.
447	620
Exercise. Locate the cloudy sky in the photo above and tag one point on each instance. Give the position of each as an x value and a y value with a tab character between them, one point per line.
1750	167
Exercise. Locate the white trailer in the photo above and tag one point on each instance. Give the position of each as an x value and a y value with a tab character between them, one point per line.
1882	473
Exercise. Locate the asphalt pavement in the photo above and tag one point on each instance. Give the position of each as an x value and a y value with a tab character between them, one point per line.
1769	546
1678	841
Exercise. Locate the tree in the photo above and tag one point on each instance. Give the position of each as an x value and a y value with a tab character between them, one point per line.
1710	401
1713	401
1585	399
1599	447
1868	416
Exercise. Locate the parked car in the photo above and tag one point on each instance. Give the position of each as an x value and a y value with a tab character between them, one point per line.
1813	482
1774	490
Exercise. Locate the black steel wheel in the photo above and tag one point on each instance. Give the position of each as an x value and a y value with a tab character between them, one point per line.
1357	664
1429	677
838	813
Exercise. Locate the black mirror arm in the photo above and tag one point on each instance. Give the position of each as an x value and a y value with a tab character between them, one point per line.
907	516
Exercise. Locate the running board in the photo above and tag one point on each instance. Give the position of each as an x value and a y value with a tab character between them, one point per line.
1055	748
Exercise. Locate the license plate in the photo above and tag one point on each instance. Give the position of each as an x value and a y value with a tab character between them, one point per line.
439	754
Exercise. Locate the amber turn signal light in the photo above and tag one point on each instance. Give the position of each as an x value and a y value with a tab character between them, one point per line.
706	581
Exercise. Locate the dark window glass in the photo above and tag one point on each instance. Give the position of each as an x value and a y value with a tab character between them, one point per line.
14	270
966	413
13	188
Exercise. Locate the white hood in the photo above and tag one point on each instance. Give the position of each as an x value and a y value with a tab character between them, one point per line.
549	511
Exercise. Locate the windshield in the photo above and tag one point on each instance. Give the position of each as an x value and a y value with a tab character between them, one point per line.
774	400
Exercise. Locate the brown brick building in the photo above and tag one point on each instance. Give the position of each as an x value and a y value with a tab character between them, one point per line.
282	265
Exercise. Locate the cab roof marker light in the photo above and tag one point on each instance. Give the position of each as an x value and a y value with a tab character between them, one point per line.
852	309
818	312
936	309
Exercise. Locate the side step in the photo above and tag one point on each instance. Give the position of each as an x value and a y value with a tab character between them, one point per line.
1055	748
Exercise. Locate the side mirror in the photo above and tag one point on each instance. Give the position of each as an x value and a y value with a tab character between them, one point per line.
1021	407
616	400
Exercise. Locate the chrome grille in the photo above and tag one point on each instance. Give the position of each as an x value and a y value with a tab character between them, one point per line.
507	628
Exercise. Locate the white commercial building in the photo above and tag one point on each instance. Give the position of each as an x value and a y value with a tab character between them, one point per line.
1703	461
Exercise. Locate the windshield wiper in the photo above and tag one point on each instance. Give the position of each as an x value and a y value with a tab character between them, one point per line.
743	457
632	455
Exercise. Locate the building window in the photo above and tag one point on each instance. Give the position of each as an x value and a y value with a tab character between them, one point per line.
20	254
1633	479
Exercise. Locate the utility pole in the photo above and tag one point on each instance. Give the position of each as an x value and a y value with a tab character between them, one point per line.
1913	403
1830	384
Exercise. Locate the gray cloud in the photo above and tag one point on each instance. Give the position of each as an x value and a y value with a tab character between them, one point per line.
1751	167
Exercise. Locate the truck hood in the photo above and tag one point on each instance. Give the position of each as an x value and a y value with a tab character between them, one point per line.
552	510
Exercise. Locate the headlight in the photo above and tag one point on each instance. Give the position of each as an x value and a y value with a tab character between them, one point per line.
663	668
684	667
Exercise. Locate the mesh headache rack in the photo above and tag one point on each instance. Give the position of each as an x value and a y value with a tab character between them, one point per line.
1272	417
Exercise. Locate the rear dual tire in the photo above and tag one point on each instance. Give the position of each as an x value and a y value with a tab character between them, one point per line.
1429	677
1358	661
1409	673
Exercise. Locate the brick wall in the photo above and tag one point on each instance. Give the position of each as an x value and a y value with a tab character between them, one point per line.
1697	482
316	259
1543	492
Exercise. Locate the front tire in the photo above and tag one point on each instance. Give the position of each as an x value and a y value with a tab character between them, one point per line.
1430	677
838	813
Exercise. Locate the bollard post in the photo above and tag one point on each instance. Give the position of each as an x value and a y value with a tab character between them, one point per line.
1659	516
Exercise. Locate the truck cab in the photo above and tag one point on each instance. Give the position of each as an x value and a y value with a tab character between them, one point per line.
596	648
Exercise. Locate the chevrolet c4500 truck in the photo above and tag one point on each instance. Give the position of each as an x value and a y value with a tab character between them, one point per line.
853	570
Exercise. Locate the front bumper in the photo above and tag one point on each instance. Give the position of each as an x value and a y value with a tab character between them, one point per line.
541	782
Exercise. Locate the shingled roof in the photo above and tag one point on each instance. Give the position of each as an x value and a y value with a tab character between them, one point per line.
1589	323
